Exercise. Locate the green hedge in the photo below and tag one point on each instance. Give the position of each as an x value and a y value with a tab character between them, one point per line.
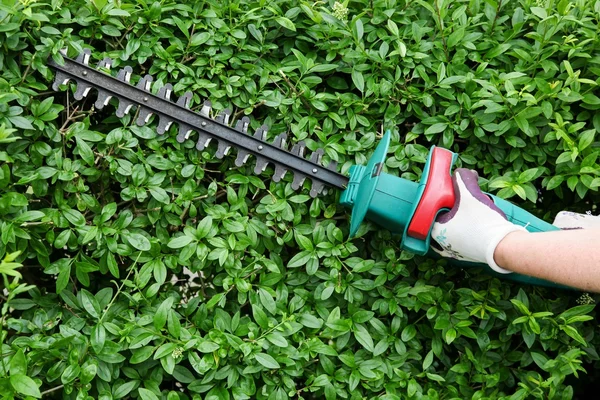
101	219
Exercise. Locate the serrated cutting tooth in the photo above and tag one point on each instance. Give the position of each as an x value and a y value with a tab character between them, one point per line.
105	63
184	133
279	173
165	92
102	100
82	90
125	74
84	57
261	165
280	170
261	133
164	123
242	124
242	157
261	162
124	107
280	140
203	141
184	100
206	107
316	188
60	79
316	156
145	83
222	150
299	149
223	116
299	179
143	116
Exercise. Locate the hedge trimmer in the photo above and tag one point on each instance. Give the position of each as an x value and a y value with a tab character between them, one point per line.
404	207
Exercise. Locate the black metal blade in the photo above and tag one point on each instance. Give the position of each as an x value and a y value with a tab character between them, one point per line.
179	112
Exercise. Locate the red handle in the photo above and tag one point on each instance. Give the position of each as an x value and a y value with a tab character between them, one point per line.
438	194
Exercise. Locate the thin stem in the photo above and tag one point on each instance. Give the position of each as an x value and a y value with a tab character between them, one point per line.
119	289
293	87
54	389
441	23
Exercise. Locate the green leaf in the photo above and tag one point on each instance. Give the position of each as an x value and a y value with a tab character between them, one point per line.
586	139
89	302
286	23
428	360
25	385
208	346
267	301
199	38
137	240
124	389
358	80
408	333
146	394
436	128
266	361
180	241
85	151
74	217
364	338
160	317
450	335
98	337
164	350
277	339
142	354
18	363
300	259
310	321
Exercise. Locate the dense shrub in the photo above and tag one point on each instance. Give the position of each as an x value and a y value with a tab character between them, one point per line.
106	217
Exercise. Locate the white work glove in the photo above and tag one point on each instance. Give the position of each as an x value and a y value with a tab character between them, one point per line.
472	229
571	220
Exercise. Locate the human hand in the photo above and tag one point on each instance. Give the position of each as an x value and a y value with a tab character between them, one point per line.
571	220
472	229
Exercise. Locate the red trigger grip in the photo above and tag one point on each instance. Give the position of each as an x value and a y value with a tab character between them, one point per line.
438	194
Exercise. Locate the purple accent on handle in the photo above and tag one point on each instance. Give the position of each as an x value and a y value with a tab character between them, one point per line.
469	178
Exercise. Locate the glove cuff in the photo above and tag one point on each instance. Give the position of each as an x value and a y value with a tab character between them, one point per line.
489	255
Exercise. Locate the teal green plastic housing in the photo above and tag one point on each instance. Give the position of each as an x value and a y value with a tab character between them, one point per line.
390	202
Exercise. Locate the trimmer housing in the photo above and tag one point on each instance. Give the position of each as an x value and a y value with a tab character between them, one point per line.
410	209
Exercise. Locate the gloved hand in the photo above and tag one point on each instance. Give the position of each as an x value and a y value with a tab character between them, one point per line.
472	229
571	220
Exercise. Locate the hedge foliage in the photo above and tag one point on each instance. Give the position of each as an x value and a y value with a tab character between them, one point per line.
101	219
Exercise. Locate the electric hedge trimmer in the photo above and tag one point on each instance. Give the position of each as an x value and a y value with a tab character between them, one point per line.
404	207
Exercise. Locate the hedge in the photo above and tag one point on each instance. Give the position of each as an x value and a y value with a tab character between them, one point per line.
138	267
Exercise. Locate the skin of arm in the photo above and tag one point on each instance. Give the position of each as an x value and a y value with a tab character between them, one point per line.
568	257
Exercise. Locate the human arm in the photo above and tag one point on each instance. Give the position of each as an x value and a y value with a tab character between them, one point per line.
476	230
568	257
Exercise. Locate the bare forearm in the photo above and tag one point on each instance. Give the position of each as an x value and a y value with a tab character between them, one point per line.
570	257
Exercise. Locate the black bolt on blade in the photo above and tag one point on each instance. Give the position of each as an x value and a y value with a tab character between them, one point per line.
188	121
